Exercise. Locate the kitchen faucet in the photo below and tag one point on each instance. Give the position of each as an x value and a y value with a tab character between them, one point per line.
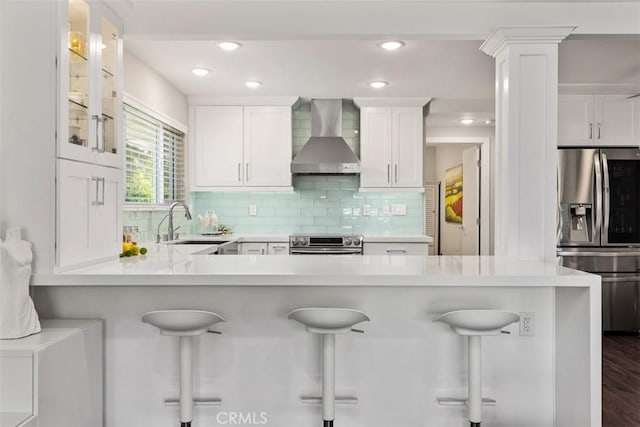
187	215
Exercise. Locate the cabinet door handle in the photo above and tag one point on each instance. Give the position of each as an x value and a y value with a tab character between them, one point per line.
396	251
590	130
247	171
396	172
598	130
388	172
103	182
239	172
96	201
98	120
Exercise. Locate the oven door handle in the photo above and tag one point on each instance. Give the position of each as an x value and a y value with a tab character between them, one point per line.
621	279
598	254
328	252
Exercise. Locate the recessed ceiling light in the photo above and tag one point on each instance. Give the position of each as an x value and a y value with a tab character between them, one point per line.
466	121
229	46
391	45
253	84
378	84
200	71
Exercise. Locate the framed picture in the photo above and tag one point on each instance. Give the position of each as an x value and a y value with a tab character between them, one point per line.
453	195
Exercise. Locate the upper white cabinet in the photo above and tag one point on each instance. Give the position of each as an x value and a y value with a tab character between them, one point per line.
236	147
391	140
598	120
90	84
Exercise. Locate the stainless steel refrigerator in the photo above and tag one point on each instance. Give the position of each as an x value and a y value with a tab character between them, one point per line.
598	226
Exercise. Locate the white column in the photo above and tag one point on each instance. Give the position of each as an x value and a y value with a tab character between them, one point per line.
526	138
186	379
328	376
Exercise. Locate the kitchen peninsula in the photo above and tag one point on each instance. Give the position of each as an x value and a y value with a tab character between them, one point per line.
263	362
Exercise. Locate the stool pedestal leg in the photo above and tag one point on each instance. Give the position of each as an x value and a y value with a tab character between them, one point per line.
328	379
186	379
475	381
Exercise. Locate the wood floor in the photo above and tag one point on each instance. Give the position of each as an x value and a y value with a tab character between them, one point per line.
621	381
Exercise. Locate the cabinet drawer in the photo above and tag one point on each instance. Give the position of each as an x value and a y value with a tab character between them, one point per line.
395	249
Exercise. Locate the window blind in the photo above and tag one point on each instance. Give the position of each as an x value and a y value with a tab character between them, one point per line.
154	159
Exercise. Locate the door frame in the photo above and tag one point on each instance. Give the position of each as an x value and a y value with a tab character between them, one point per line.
485	183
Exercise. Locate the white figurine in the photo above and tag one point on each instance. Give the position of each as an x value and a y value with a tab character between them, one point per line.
18	316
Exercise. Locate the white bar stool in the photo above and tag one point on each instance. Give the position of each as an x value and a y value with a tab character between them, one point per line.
474	324
186	324
328	322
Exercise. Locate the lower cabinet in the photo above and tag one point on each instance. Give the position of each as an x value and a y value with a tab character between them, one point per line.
251	248
260	248
88	213
395	249
278	249
53	378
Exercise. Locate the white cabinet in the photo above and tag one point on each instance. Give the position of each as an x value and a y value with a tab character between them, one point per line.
395	249
278	249
252	248
88	213
53	378
391	148
89	134
598	120
90	84
241	147
263	248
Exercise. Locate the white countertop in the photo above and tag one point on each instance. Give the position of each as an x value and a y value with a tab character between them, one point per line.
178	265
280	238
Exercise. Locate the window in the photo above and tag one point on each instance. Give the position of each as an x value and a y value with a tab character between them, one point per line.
154	159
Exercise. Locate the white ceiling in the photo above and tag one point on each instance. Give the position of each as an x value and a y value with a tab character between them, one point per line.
323	68
314	48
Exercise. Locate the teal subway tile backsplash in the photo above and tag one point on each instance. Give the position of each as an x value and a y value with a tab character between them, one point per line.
333	209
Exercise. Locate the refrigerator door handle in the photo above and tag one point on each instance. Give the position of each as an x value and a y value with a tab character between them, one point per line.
598	207
607	199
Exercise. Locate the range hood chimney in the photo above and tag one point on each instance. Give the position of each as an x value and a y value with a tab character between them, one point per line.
326	152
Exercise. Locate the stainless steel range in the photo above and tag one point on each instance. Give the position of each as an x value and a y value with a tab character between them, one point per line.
300	244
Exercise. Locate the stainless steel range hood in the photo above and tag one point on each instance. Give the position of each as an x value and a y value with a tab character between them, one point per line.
326	152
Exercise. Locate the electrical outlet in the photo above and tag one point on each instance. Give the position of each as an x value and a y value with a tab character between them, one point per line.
527	324
386	210
398	209
253	210
366	209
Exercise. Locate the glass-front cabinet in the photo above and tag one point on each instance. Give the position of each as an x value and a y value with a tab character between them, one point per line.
90	70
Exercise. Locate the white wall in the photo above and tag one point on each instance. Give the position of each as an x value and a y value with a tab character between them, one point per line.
154	91
27	124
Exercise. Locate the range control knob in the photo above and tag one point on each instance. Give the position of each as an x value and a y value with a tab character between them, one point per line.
303	241
356	240
347	240
294	241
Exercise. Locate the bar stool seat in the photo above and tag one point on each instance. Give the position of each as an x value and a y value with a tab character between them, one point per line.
185	324
328	322
474	324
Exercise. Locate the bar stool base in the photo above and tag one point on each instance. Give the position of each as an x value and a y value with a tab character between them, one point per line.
185	424
327	423
472	424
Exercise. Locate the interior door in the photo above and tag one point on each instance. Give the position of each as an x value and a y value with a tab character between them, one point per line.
471	201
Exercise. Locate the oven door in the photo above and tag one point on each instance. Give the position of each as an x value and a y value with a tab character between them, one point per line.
325	251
